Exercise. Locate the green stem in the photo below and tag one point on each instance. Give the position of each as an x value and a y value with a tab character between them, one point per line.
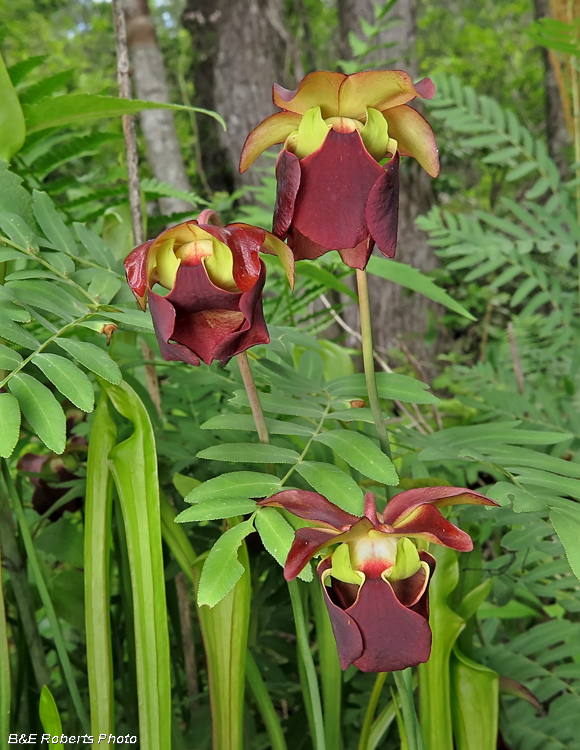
45	598
330	671
404	685
369	362
370	712
308	662
253	397
267	710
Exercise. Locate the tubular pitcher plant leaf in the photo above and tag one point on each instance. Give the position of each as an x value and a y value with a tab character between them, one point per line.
134	469
330	671
224	629
474	703
97	545
434	680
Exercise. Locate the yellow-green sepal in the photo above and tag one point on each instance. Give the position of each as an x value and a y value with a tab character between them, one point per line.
342	567
220	266
407	562
166	264
311	133
274	246
375	134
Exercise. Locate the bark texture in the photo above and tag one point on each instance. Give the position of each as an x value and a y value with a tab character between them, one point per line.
241	49
163	149
396	314
556	131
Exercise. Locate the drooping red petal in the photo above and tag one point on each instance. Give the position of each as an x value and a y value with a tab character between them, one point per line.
422	606
136	270
393	636
312	507
440	497
163	315
409	590
274	129
414	136
382	210
346	633
318	89
245	243
195	316
427	522
288	182
358	257
307	542
336	181
425	88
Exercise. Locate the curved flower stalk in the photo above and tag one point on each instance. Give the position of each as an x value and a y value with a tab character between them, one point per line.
376	579
215	279
337	130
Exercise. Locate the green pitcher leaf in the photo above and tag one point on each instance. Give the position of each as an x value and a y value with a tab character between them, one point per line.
10	421
70	381
134	469
362	454
474	704
41	410
222	569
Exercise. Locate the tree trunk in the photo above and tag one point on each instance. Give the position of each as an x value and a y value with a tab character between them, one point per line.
557	134
163	149
396	314
202	18
241	49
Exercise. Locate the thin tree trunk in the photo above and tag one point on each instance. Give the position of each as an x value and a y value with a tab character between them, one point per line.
395	313
250	58
557	134
163	149
240	49
202	19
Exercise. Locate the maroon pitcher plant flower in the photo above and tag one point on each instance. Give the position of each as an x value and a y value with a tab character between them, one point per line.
376	578
215	278
338	173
